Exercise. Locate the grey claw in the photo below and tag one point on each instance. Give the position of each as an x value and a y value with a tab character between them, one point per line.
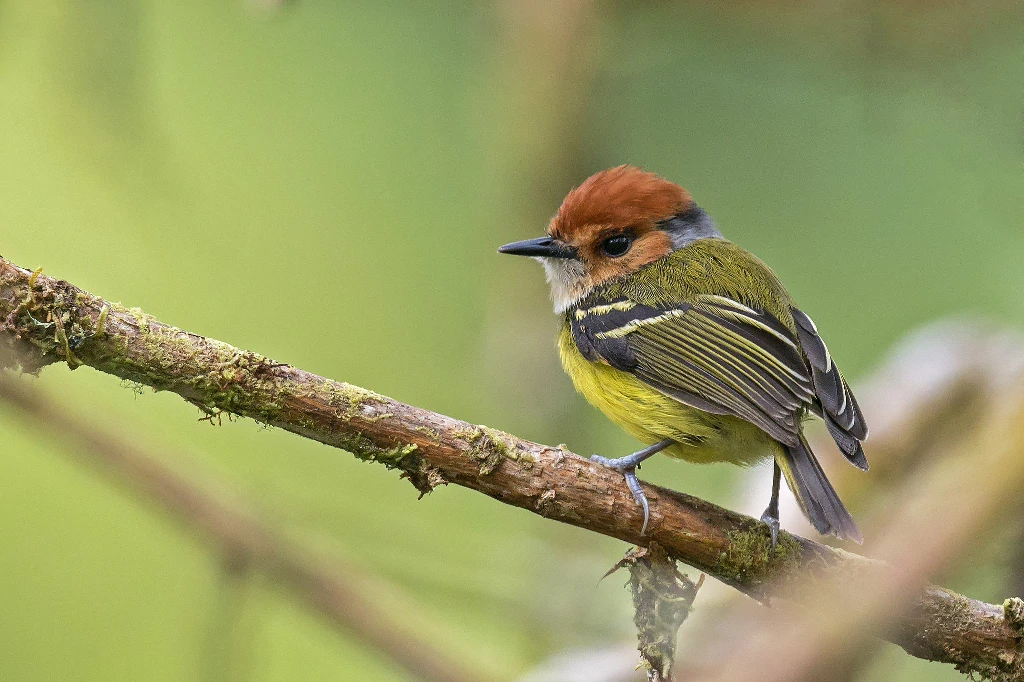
627	466
638	496
773	526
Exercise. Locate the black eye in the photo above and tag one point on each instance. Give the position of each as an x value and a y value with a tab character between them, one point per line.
617	246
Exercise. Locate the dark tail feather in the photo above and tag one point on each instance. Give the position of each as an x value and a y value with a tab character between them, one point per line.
816	496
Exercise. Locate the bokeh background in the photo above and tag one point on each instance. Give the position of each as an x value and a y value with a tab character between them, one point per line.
326	182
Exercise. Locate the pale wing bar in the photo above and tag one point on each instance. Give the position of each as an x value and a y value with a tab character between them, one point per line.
726	358
716	355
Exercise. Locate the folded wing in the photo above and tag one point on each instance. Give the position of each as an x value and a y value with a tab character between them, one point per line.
724	357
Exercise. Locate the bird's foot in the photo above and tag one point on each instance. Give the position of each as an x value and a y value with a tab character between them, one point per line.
627	466
773	525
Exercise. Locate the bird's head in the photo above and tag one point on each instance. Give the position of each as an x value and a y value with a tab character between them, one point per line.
613	224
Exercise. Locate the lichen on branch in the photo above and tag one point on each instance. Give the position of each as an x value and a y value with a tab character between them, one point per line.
662	600
45	320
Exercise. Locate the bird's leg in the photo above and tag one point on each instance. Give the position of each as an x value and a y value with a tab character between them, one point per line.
628	465
771	514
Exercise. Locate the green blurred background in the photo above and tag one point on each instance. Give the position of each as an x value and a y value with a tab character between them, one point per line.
326	182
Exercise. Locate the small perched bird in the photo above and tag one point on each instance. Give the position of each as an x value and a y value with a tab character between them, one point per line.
690	343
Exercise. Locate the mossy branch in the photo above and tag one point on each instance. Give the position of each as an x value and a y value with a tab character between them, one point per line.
47	320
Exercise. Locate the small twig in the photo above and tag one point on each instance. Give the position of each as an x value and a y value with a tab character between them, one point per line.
662	601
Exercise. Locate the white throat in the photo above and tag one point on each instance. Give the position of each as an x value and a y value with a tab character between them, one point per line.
567	279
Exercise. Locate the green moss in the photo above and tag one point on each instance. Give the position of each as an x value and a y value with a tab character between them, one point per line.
662	600
469	434
101	321
396	454
46	316
1013	613
955	614
749	559
62	339
430	433
367	450
350	400
485	446
491	447
142	320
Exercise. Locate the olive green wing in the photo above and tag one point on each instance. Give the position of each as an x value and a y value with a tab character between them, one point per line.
712	353
724	357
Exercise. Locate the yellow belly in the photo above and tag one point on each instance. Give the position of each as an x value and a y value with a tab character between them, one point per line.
650	416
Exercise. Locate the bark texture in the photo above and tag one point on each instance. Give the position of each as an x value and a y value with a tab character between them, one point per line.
45	320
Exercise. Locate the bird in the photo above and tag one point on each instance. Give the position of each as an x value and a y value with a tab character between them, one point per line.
690	343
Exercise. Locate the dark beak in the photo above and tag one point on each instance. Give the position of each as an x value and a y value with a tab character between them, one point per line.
546	247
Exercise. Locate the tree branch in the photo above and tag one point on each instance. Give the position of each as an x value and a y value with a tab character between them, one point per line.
49	320
245	540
